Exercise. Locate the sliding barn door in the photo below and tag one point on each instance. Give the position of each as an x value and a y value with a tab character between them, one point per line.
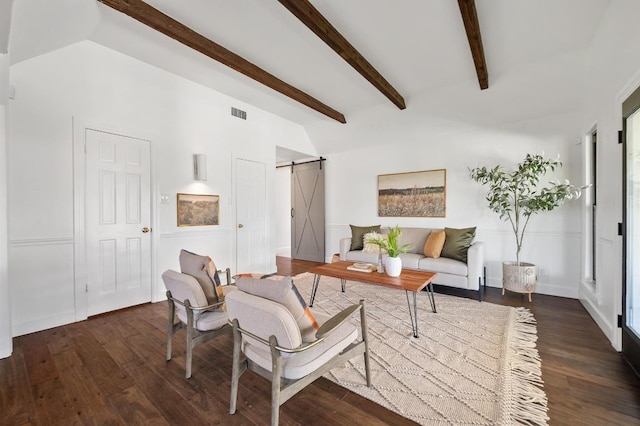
307	212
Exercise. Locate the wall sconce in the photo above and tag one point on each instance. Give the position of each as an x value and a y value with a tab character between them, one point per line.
200	167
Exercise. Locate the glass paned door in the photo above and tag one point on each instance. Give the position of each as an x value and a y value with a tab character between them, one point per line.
631	236
633	220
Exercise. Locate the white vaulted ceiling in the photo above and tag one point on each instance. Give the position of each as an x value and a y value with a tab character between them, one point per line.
534	50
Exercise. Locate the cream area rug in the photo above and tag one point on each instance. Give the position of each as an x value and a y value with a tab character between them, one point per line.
473	363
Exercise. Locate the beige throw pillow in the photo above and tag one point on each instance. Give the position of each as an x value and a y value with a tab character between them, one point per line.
433	245
371	247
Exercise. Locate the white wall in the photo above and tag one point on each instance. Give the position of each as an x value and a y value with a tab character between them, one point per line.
6	345
283	211
99	87
553	240
612	73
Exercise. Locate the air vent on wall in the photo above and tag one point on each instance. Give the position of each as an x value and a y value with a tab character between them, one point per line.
239	113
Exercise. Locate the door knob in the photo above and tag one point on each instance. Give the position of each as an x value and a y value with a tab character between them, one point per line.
145	230
240	225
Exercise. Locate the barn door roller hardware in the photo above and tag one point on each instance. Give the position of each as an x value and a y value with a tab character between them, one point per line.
293	163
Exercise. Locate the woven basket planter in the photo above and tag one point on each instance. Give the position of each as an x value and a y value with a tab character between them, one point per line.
519	278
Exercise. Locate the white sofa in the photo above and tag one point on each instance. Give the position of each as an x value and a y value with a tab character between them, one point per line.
451	272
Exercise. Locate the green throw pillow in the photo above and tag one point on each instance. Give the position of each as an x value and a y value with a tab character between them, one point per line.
357	235
457	242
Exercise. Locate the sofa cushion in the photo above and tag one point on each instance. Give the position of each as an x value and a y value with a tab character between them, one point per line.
434	244
357	235
443	265
457	242
285	293
361	256
416	237
411	260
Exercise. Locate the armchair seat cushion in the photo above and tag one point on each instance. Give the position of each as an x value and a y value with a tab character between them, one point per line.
211	320
304	363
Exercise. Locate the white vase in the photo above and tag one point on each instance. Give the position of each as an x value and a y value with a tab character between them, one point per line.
393	266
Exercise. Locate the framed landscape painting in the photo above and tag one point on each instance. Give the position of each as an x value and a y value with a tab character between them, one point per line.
198	210
412	194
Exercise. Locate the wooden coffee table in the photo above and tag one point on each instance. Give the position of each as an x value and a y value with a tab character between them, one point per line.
409	281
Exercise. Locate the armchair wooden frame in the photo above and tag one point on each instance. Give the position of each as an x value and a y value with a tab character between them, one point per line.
283	389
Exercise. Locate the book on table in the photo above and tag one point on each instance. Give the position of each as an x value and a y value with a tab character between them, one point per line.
362	267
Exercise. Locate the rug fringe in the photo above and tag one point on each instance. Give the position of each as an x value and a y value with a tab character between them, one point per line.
529	402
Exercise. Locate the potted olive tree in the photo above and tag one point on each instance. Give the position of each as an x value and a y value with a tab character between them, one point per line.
516	196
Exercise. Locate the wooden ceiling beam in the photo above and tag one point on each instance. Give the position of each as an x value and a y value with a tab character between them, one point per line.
472	27
316	22
148	15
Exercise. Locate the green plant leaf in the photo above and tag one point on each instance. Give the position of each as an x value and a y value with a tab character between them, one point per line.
515	196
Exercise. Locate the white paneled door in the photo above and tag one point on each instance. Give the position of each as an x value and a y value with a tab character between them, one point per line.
118	239
251	217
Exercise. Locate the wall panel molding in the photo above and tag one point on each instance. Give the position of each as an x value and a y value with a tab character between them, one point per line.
36	242
193	233
42	293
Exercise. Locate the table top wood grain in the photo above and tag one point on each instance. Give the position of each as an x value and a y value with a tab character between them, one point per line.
409	279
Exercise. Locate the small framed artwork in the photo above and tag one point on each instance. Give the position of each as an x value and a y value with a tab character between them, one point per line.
198	210
413	194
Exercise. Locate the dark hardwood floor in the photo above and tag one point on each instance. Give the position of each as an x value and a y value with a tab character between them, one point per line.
110	369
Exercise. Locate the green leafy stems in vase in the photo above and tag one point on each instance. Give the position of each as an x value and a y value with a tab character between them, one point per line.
391	242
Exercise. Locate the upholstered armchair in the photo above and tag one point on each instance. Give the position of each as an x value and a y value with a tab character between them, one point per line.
196	303
277	336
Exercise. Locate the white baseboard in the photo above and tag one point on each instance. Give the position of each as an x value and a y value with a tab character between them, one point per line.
556	290
542	288
283	251
43	323
589	301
